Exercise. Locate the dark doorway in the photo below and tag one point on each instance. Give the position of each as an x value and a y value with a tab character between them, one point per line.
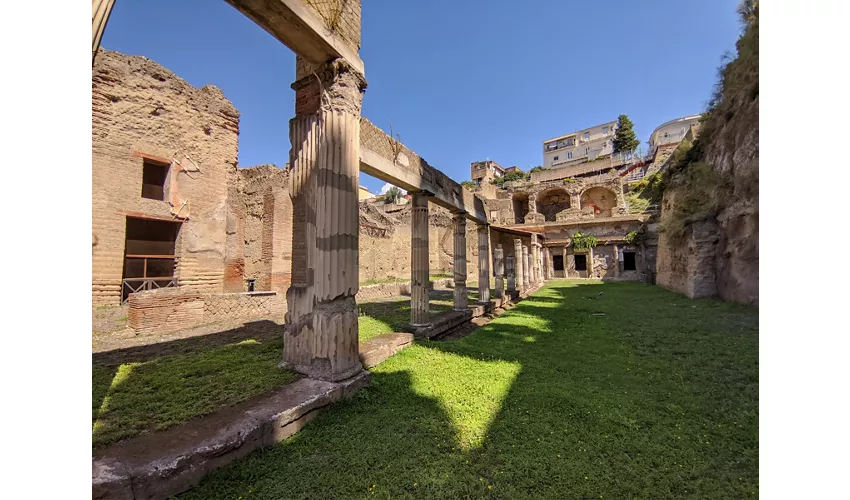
149	250
558	262
581	262
629	261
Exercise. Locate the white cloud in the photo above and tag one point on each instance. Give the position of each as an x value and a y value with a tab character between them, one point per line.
386	187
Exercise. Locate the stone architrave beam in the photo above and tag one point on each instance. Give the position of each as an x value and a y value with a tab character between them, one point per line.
391	161
300	29
381	168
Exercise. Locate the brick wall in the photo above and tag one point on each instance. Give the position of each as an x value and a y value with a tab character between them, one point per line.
173	309
140	108
262	207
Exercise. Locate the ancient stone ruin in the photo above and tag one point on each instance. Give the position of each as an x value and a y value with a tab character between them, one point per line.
186	236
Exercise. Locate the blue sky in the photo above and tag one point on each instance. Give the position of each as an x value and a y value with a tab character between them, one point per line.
460	80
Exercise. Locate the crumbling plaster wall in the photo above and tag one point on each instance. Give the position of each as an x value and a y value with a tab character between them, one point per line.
140	107
385	252
262	243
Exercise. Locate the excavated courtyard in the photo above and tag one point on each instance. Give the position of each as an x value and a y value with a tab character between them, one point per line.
574	393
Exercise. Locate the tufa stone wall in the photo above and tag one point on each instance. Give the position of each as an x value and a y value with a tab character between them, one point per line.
719	251
140	109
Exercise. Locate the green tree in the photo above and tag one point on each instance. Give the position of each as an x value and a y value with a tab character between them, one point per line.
625	139
392	195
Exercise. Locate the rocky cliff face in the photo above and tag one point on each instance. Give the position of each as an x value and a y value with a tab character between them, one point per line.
710	212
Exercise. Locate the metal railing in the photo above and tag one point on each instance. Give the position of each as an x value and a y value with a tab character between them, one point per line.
133	285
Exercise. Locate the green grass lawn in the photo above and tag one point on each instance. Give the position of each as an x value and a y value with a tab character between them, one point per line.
136	397
637	393
132	398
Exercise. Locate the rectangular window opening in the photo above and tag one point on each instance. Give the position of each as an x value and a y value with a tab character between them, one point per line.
558	262
581	262
629	261
153	180
149	254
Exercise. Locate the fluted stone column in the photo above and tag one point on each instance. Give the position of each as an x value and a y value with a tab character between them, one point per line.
498	264
526	269
320	338
459	223
569	263
535	260
519	265
616	261
511	272
541	262
547	263
419	265
484	263
100	10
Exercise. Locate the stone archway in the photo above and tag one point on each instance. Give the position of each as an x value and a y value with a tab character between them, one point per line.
601	200
551	201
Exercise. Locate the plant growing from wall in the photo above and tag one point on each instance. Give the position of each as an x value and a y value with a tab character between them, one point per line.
583	242
625	139
634	238
468	185
535	169
570	180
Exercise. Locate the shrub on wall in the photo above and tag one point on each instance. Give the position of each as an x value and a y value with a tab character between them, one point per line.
634	238
511	176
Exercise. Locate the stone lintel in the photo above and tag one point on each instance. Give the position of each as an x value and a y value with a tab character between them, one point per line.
381	168
297	27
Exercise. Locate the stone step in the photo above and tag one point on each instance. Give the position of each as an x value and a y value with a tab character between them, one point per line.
162	464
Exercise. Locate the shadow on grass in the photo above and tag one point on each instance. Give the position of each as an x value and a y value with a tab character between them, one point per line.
149	388
638	392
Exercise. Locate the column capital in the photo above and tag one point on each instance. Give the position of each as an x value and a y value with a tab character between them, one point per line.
422	192
459	215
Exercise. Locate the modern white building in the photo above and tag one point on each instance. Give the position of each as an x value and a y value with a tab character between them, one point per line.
671	132
583	145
